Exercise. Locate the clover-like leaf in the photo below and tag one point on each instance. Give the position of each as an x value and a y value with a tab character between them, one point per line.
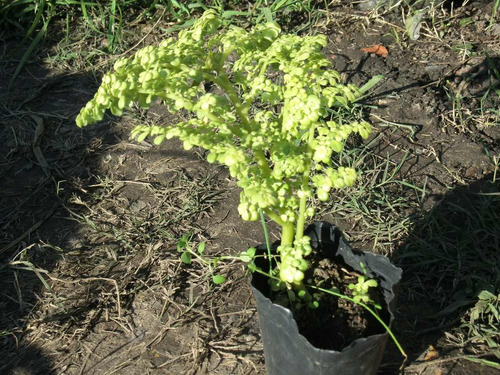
182	243
186	257
252	267
218	279
201	247
252	251
314	305
244	257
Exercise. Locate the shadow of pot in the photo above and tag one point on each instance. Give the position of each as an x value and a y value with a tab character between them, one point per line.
287	352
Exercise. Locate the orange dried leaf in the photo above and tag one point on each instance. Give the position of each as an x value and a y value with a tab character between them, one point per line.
431	354
378	50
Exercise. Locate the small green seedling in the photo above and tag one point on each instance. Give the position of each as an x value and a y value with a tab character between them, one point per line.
187	254
361	290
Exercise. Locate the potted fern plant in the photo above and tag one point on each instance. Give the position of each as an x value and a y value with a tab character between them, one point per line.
270	117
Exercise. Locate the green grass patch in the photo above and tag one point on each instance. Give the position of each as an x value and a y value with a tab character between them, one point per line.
109	26
378	209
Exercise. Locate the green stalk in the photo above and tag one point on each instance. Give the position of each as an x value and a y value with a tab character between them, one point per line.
284	115
274	217
226	54
301	220
287	228
261	160
223	81
287	231
235	130
266	236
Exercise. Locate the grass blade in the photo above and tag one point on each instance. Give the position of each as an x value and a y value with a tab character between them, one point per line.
28	53
83	7
371	83
36	21
111	26
484	362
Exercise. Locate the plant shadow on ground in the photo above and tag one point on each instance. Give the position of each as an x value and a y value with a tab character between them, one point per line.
450	279
90	277
418	199
44	160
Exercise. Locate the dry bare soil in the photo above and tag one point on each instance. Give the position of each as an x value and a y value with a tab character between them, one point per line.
90	278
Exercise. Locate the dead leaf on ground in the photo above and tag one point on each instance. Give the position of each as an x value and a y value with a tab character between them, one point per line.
378	50
431	354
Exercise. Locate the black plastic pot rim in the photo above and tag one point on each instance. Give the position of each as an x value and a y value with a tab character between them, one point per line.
288	352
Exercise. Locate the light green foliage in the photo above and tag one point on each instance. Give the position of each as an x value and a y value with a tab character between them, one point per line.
293	264
361	290
249	255
267	116
483	320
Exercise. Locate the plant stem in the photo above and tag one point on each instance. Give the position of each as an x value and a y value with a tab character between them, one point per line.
266	235
223	81
284	115
301	220
287	232
274	217
287	228
261	160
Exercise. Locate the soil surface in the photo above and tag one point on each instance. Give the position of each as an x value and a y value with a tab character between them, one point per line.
336	322
91	280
